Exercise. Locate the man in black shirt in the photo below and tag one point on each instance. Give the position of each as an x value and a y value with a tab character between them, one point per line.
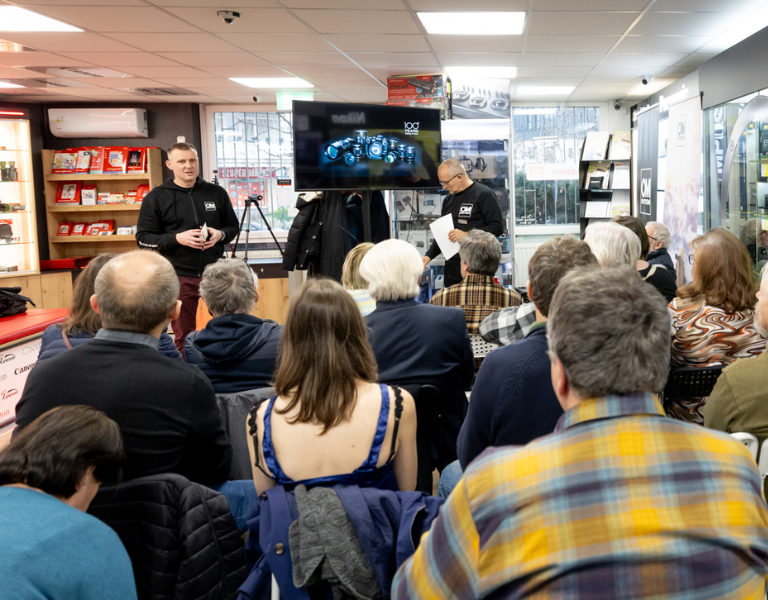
166	409
472	205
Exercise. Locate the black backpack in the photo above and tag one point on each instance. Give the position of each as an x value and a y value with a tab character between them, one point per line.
11	302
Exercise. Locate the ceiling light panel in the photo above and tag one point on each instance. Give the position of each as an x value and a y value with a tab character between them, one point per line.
473	23
272	82
13	18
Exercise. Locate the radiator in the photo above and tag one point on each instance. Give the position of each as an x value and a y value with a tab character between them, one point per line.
523	254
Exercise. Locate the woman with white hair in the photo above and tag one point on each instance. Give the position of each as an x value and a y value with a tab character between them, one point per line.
414	343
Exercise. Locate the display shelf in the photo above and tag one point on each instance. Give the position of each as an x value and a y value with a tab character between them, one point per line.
95	208
3	244
123	214
89	239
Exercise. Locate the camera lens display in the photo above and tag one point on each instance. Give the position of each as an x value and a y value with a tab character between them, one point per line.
364	147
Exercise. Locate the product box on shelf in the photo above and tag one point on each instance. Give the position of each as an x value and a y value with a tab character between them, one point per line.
88	194
64	161
102	198
116	199
83	160
137	160
68	192
97	160
79	228
410	87
141	191
64	229
115	159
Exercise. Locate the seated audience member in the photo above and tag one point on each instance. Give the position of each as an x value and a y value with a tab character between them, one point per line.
353	283
658	239
49	475
236	350
508	325
328	405
477	294
657	275
417	343
618	502
739	401
713	317
755	239
166	409
512	400
83	321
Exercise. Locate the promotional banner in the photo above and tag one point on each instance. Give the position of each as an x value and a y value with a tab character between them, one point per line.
647	165
683	184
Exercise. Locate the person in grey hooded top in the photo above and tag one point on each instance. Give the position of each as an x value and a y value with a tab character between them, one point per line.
236	350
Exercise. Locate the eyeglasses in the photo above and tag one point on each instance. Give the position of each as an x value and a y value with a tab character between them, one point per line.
444	183
690	259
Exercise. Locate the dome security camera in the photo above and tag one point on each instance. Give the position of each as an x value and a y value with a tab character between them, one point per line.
617	105
645	79
256	98
229	16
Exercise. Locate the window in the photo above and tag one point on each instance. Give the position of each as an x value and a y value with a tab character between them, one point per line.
549	136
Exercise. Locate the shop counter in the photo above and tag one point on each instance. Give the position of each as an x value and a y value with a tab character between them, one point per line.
19	346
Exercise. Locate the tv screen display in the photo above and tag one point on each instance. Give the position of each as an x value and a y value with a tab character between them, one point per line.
341	146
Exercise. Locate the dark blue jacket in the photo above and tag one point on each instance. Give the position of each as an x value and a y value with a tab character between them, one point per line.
513	401
53	344
236	352
421	343
661	257
388	524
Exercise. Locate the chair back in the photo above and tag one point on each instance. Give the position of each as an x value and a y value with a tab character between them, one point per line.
480	348
234	409
749	441
429	433
691	382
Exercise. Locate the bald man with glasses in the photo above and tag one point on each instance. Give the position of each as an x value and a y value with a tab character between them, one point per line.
472	205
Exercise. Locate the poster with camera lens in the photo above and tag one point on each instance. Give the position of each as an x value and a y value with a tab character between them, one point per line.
481	98
364	146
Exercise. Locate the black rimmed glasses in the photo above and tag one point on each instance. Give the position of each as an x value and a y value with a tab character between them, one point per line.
444	183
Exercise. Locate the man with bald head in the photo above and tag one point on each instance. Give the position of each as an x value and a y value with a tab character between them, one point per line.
166	409
472	205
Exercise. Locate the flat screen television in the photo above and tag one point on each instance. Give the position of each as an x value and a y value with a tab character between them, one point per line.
340	146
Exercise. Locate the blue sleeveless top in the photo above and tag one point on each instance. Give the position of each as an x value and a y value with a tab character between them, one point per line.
366	475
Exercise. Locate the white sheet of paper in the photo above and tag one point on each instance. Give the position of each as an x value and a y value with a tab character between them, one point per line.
204	231
440	230
597	210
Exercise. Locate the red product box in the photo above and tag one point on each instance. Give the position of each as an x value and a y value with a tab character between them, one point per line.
137	160
97	160
68	192
115	159
94	228
64	229
83	160
79	228
64	161
141	190
409	87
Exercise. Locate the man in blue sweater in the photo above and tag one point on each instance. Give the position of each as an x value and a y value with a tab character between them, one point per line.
512	400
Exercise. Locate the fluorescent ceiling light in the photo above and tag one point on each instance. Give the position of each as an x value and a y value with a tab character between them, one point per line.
13	18
6	84
272	82
554	90
482	72
473	23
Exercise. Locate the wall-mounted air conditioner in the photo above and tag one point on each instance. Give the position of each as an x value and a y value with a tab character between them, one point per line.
98	122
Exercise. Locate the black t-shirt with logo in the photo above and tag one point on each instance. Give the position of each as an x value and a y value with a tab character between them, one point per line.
476	207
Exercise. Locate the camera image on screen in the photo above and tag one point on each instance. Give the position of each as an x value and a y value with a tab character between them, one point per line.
352	150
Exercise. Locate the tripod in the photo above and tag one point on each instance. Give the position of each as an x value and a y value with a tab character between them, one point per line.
252	201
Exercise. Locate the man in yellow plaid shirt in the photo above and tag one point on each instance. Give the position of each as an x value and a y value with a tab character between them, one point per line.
620	501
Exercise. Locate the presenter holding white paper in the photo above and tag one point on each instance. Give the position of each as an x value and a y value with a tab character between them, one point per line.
440	229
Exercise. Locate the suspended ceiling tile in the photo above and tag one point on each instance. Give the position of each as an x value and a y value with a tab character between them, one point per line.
74	42
613	71
35	4
588	95
359	21
669	23
116	18
345	83
694	60
39	59
305	59
677	72
476	43
601	81
96	92
479	59
12	73
394	71
174	42
244	99
557	59
707	5
349	72
570	43
114	83
347	4
270	42
213	59
662	43
219	4
267	71
178	71
590	5
122	59
393	59
547	81
568	22
553	72
462	5
354	42
195	83
252	20
643	60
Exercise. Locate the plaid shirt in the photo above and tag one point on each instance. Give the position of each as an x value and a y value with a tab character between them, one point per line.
618	502
478	296
509	325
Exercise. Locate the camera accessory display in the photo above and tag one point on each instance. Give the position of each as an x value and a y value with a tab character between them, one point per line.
481	99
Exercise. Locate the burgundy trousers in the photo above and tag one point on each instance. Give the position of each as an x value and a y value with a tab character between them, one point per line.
189	294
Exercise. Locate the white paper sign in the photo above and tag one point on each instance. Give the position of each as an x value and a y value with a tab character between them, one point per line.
597	210
440	230
15	364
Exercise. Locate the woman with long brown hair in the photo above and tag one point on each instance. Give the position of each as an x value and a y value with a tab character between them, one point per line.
713	316
330	422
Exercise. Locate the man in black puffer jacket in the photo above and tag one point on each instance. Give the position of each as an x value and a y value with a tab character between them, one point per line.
188	221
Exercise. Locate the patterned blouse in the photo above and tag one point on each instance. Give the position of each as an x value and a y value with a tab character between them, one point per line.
707	336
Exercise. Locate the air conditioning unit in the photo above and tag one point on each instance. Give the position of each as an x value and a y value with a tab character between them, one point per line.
98	122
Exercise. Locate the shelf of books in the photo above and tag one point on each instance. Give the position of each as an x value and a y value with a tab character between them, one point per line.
604	176
107	183
18	230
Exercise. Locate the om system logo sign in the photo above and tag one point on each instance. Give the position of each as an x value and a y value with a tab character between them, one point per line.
645	191
412	128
